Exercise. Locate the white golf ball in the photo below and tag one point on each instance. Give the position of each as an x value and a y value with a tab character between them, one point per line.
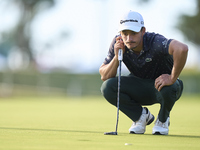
128	144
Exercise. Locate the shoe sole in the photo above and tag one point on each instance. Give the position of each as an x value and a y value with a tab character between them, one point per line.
158	133
132	132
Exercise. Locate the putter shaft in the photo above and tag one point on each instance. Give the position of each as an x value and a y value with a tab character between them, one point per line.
120	57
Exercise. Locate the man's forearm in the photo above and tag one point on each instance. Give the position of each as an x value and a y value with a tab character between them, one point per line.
180	57
109	70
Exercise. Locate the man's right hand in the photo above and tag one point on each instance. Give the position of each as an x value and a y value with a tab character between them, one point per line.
119	45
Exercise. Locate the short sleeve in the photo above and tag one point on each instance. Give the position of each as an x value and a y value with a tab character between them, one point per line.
161	44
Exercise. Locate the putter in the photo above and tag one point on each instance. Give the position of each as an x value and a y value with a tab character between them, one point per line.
120	57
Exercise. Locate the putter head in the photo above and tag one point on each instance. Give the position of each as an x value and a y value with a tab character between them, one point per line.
110	133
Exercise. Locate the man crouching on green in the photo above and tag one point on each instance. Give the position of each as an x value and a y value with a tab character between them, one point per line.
155	64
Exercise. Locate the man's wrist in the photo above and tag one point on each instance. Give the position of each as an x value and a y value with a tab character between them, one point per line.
173	79
116	59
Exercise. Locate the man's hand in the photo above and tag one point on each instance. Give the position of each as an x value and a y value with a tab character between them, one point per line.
163	80
119	45
110	70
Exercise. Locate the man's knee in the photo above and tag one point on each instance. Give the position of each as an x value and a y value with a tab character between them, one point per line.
109	89
172	92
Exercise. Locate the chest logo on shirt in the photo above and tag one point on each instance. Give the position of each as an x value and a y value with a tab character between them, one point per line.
148	59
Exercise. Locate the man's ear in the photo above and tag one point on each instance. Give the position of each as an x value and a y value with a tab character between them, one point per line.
143	30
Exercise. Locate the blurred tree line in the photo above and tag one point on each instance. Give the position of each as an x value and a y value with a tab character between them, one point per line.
189	26
20	36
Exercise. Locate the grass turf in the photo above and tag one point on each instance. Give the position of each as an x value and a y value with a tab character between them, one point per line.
79	123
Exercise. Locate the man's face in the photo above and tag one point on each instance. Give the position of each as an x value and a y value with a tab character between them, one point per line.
132	40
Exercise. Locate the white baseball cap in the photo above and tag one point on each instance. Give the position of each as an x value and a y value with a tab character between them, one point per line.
131	20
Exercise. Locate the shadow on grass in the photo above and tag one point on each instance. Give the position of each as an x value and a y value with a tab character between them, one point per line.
185	136
178	136
53	130
78	131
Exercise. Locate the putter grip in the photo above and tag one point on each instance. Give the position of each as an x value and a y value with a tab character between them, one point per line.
120	54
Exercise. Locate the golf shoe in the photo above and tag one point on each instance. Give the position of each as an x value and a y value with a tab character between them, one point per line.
139	127
161	128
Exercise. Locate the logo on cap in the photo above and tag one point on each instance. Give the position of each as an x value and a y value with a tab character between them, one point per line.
131	20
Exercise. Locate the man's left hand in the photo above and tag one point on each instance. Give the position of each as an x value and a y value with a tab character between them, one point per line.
163	80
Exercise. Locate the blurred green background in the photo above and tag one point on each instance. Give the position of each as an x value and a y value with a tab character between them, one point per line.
65	84
55	47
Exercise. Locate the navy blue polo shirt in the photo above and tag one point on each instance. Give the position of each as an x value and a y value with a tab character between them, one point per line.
153	60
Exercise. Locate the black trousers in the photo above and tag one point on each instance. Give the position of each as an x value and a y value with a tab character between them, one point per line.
136	92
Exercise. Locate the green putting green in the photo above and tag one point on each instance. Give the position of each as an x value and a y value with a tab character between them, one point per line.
41	123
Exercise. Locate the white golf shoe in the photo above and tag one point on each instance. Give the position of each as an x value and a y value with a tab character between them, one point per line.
161	128
139	127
